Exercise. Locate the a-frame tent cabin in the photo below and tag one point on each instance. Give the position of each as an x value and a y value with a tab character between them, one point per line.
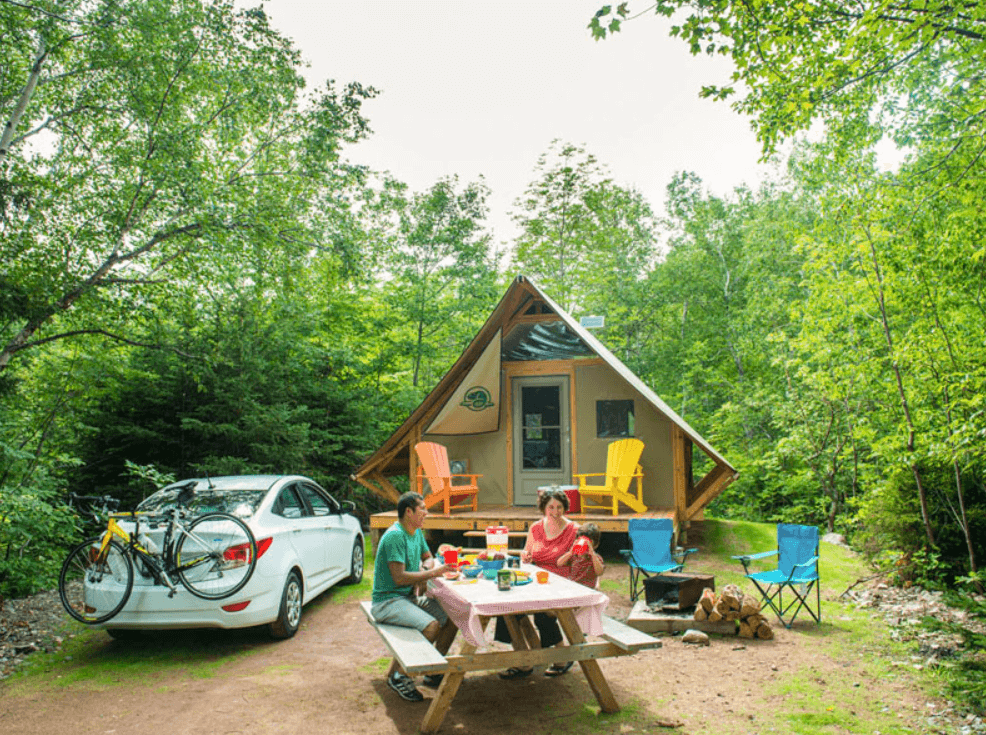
534	400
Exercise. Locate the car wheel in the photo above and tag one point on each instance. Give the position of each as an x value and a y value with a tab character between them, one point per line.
289	616
355	564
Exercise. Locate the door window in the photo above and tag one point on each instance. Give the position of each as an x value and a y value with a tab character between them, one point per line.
289	504
541	410
318	502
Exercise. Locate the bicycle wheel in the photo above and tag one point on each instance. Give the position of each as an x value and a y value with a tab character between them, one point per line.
215	556
94	587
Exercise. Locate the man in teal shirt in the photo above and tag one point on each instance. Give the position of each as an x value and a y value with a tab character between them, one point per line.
401	571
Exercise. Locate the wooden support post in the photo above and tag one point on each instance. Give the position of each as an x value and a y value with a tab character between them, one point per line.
590	667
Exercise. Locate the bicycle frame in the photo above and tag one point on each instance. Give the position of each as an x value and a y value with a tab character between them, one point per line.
162	565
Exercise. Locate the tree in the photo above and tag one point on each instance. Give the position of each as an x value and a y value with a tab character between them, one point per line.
911	70
557	222
176	133
440	273
584	238
896	301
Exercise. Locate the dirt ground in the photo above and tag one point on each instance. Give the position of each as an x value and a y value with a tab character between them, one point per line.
329	678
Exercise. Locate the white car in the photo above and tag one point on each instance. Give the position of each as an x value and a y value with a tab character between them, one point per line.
306	542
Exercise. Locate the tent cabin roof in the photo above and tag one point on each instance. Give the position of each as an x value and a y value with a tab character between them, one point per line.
530	322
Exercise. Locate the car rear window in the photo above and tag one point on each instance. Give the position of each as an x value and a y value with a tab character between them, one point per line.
240	502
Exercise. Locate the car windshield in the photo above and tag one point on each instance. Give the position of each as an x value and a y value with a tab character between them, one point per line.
241	502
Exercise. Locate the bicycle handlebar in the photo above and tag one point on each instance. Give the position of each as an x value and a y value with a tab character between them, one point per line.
110	503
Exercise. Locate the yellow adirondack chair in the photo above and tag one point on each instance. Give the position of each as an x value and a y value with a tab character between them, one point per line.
434	468
622	468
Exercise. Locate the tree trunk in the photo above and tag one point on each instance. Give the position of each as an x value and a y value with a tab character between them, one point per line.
6	140
901	393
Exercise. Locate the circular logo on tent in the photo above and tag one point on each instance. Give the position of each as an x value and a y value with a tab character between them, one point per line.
477	399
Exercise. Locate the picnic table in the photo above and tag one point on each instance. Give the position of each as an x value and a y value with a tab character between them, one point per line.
471	604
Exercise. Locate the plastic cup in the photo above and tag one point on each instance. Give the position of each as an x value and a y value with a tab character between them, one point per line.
542	577
451	556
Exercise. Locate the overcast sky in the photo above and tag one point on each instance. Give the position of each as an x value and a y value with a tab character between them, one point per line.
482	87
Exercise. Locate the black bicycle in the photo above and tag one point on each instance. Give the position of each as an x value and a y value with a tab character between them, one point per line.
213	556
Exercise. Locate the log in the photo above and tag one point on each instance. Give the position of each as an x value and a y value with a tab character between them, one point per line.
701	613
745	631
731	597
764	632
749	605
715	616
708	600
755	620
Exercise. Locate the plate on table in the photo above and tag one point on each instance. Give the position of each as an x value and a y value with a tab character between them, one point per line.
522	582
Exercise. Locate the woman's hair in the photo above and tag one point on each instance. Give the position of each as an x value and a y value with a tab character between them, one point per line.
549	495
408	501
591	531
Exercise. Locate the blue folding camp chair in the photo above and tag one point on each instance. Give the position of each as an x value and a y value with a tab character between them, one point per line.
650	551
797	573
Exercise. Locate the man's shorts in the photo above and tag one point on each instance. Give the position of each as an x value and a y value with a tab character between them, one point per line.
409	612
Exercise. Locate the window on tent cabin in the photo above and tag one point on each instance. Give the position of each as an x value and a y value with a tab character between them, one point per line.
614	419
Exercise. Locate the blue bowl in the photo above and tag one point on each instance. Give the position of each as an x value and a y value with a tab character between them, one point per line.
490	572
494	564
472	570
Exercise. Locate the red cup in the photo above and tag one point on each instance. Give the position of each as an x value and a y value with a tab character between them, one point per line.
451	556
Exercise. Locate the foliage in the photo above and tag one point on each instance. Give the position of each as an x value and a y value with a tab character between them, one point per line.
439	275
35	526
584	239
887	350
174	134
911	70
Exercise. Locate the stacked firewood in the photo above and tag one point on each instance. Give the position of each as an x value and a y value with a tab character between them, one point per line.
733	604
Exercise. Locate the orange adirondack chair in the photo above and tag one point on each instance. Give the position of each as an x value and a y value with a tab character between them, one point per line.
434	468
621	469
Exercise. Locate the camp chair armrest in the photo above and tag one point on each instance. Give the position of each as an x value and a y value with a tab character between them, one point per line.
808	563
681	556
591	474
472	478
627	554
751	557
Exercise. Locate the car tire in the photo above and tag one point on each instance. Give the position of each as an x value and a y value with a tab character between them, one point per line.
356	563
289	616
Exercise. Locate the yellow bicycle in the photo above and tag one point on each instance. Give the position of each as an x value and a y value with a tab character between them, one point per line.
213	556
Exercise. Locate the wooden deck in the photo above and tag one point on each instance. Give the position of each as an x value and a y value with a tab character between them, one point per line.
515	518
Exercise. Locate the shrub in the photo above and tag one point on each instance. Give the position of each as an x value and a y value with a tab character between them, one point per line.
35	529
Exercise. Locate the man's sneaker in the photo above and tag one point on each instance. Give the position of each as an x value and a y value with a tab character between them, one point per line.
405	687
433	681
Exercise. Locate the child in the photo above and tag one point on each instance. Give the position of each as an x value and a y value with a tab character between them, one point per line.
587	565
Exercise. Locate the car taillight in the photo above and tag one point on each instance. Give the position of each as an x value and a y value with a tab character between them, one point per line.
240	553
236	606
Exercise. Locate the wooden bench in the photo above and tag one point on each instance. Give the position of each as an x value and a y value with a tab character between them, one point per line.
627	638
415	653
